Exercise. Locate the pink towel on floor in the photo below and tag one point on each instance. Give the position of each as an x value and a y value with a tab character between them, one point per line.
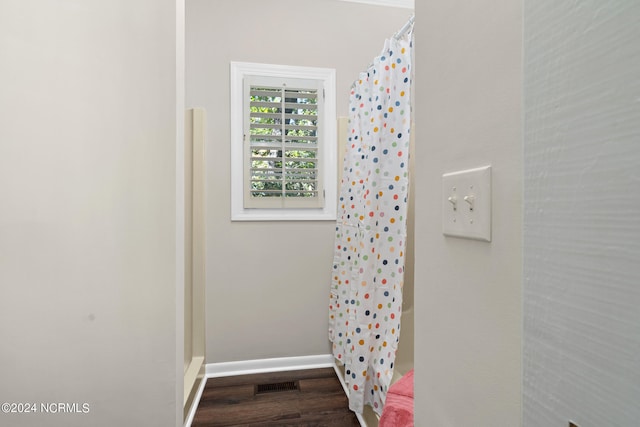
398	408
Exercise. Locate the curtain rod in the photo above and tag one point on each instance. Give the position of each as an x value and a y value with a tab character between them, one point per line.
401	32
406	27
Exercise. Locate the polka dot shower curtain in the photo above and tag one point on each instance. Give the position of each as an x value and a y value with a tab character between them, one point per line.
368	266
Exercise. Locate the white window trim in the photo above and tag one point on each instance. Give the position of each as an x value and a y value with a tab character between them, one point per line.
328	149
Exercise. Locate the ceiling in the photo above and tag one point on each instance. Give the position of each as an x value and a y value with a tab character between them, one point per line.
407	4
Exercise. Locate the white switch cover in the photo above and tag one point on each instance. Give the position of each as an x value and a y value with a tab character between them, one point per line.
466	204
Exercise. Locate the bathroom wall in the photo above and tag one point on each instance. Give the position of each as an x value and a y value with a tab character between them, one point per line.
268	282
581	213
468	316
88	212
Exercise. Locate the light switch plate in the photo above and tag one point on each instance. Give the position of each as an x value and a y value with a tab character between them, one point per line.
466	204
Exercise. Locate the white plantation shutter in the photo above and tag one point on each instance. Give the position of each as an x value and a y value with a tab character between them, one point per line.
282	140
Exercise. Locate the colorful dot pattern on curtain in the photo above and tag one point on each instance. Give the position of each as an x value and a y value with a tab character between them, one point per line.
368	266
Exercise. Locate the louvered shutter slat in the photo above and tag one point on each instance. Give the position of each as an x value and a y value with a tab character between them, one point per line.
283	138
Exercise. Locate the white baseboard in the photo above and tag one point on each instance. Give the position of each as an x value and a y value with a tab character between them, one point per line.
246	367
194	404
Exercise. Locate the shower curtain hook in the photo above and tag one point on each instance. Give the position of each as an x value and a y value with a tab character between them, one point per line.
408	27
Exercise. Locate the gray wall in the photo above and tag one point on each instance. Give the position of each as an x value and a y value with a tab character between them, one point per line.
582	213
580	229
268	282
467	293
88	211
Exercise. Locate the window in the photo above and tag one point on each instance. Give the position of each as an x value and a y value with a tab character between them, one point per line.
281	144
284	142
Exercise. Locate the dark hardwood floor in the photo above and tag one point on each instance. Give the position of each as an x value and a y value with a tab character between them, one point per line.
295	398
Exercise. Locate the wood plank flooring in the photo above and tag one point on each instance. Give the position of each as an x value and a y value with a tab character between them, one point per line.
312	398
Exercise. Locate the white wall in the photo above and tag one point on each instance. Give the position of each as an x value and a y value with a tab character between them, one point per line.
87	210
582	213
252	312
468	293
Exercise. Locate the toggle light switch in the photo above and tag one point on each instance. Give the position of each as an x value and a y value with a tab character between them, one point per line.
454	202
471	219
470	199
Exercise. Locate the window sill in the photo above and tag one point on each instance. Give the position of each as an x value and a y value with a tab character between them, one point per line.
283	215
